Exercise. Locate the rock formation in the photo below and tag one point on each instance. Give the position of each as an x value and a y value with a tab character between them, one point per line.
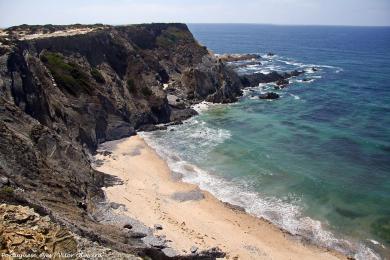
65	89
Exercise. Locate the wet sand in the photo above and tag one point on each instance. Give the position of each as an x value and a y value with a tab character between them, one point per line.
191	217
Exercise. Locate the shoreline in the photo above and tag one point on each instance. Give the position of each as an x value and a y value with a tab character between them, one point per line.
190	218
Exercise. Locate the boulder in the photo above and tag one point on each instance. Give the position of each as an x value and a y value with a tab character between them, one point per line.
175	102
282	82
269	95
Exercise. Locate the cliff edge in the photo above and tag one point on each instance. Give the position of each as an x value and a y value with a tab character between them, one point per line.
65	89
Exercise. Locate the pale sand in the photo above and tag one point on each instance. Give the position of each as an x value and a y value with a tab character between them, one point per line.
147	193
69	32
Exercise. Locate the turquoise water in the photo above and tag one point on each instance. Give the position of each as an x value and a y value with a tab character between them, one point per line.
315	162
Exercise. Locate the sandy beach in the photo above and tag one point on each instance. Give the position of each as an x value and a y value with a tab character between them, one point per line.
190	217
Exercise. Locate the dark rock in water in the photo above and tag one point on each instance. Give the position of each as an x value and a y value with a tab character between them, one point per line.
348	213
269	95
294	73
306	79
255	79
314	69
270	54
282	83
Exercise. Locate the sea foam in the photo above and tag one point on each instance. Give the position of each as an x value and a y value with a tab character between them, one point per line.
195	134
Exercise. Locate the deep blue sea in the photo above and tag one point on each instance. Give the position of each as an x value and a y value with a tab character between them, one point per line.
316	162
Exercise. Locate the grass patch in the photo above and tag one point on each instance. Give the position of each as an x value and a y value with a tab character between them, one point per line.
97	76
67	75
7	190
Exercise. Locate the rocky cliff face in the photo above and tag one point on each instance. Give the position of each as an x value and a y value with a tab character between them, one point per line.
60	96
104	84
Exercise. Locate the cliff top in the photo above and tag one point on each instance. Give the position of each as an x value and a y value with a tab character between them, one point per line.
30	32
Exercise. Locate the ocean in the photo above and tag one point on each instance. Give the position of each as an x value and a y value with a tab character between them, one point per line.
315	162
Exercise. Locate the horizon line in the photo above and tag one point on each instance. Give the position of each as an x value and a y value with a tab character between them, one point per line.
206	23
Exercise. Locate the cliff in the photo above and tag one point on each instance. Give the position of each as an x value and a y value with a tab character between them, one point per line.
65	89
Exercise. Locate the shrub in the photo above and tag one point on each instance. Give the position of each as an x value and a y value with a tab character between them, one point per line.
131	86
97	76
146	91
68	75
7	190
172	36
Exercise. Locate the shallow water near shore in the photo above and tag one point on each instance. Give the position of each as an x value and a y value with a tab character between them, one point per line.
316	162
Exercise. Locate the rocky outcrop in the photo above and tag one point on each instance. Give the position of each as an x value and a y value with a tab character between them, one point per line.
26	234
255	79
22	232
238	57
106	83
62	96
269	95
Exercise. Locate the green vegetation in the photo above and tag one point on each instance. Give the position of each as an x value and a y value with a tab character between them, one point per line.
67	75
7	190
131	86
146	92
172	36
97	76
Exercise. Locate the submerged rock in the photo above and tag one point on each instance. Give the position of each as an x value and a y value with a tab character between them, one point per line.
269	95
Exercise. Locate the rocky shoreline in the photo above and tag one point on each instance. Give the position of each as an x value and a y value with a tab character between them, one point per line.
66	89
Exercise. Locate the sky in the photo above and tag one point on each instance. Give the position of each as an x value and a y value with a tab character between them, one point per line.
286	12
